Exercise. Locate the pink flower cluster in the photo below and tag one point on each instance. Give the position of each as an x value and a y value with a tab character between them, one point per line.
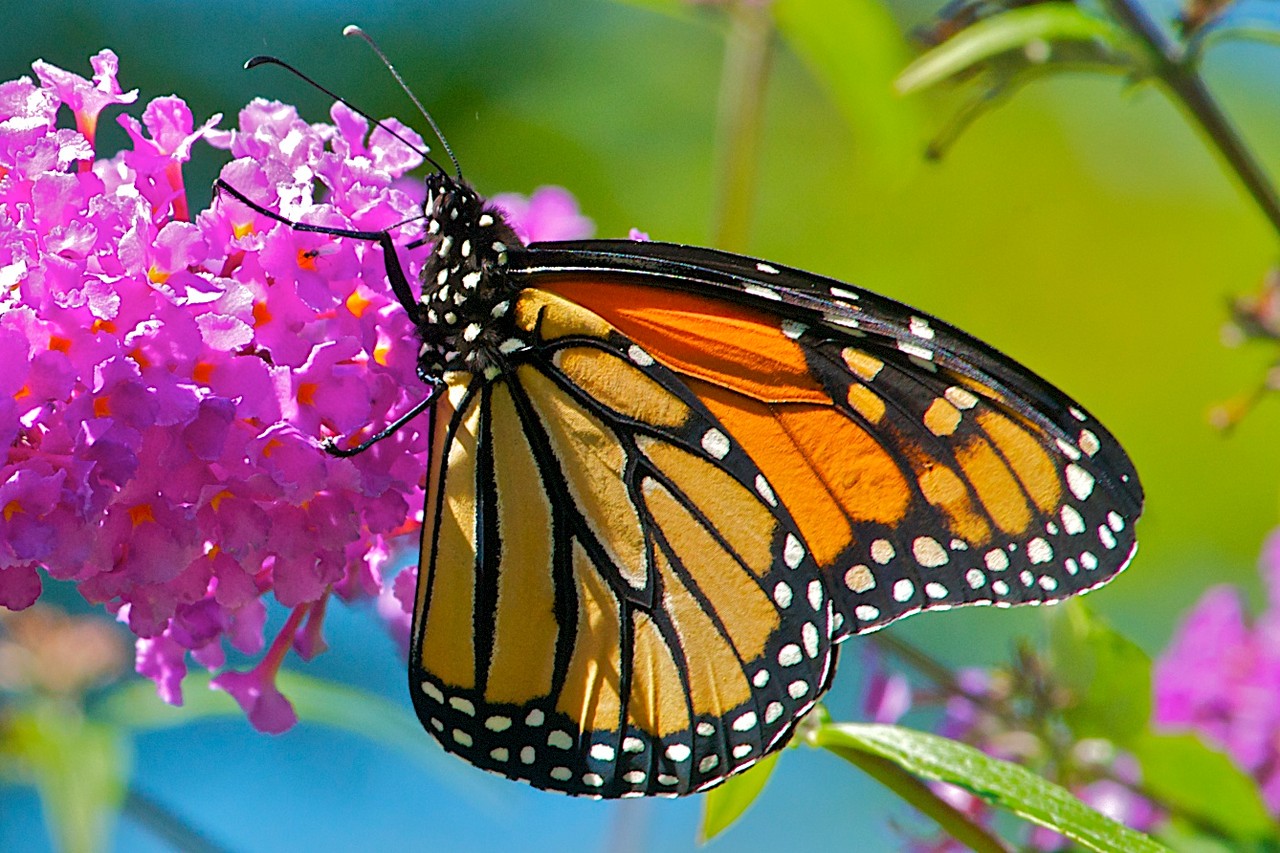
1220	676
166	380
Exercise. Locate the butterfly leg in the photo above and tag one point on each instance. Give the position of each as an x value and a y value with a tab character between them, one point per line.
395	272
330	445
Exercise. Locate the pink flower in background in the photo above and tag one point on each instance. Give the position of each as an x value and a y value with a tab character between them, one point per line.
1221	677
166	379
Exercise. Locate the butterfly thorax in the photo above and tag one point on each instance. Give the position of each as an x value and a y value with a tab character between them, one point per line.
465	293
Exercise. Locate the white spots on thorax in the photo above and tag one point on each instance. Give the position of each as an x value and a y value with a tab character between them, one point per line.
767	268
471	279
921	329
445	247
485	220
500	310
442	277
510	345
471	332
466	248
903	589
715	443
499	246
928	552
1079	481
782	595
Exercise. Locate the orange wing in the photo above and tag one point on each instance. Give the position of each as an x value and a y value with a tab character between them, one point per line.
915	482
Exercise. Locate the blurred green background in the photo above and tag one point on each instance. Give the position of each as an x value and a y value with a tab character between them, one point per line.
1083	228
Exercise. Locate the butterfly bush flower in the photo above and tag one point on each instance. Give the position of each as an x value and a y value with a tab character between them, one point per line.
1220	676
994	711
166	378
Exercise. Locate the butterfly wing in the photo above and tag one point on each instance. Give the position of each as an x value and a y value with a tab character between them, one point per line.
924	468
613	601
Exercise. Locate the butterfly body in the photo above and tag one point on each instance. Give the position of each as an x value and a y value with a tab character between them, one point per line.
666	481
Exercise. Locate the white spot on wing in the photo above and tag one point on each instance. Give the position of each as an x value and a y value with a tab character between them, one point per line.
715	443
1079	481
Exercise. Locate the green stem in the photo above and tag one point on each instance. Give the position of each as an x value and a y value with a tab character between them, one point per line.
1175	70
165	824
748	56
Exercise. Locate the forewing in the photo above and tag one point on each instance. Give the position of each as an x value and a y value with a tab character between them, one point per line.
924	468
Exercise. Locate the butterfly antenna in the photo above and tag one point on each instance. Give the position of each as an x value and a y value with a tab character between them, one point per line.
271	60
353	30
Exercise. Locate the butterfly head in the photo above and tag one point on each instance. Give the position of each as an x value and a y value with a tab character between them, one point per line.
465	295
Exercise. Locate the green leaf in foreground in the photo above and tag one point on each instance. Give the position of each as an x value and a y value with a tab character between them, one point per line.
722	806
1013	30
1000	783
1202	783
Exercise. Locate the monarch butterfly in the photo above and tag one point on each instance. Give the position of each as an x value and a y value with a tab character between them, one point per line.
666	481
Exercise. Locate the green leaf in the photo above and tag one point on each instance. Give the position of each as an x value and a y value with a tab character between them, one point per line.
1000	783
1203	783
1012	30
855	48
80	768
1108	675
723	806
